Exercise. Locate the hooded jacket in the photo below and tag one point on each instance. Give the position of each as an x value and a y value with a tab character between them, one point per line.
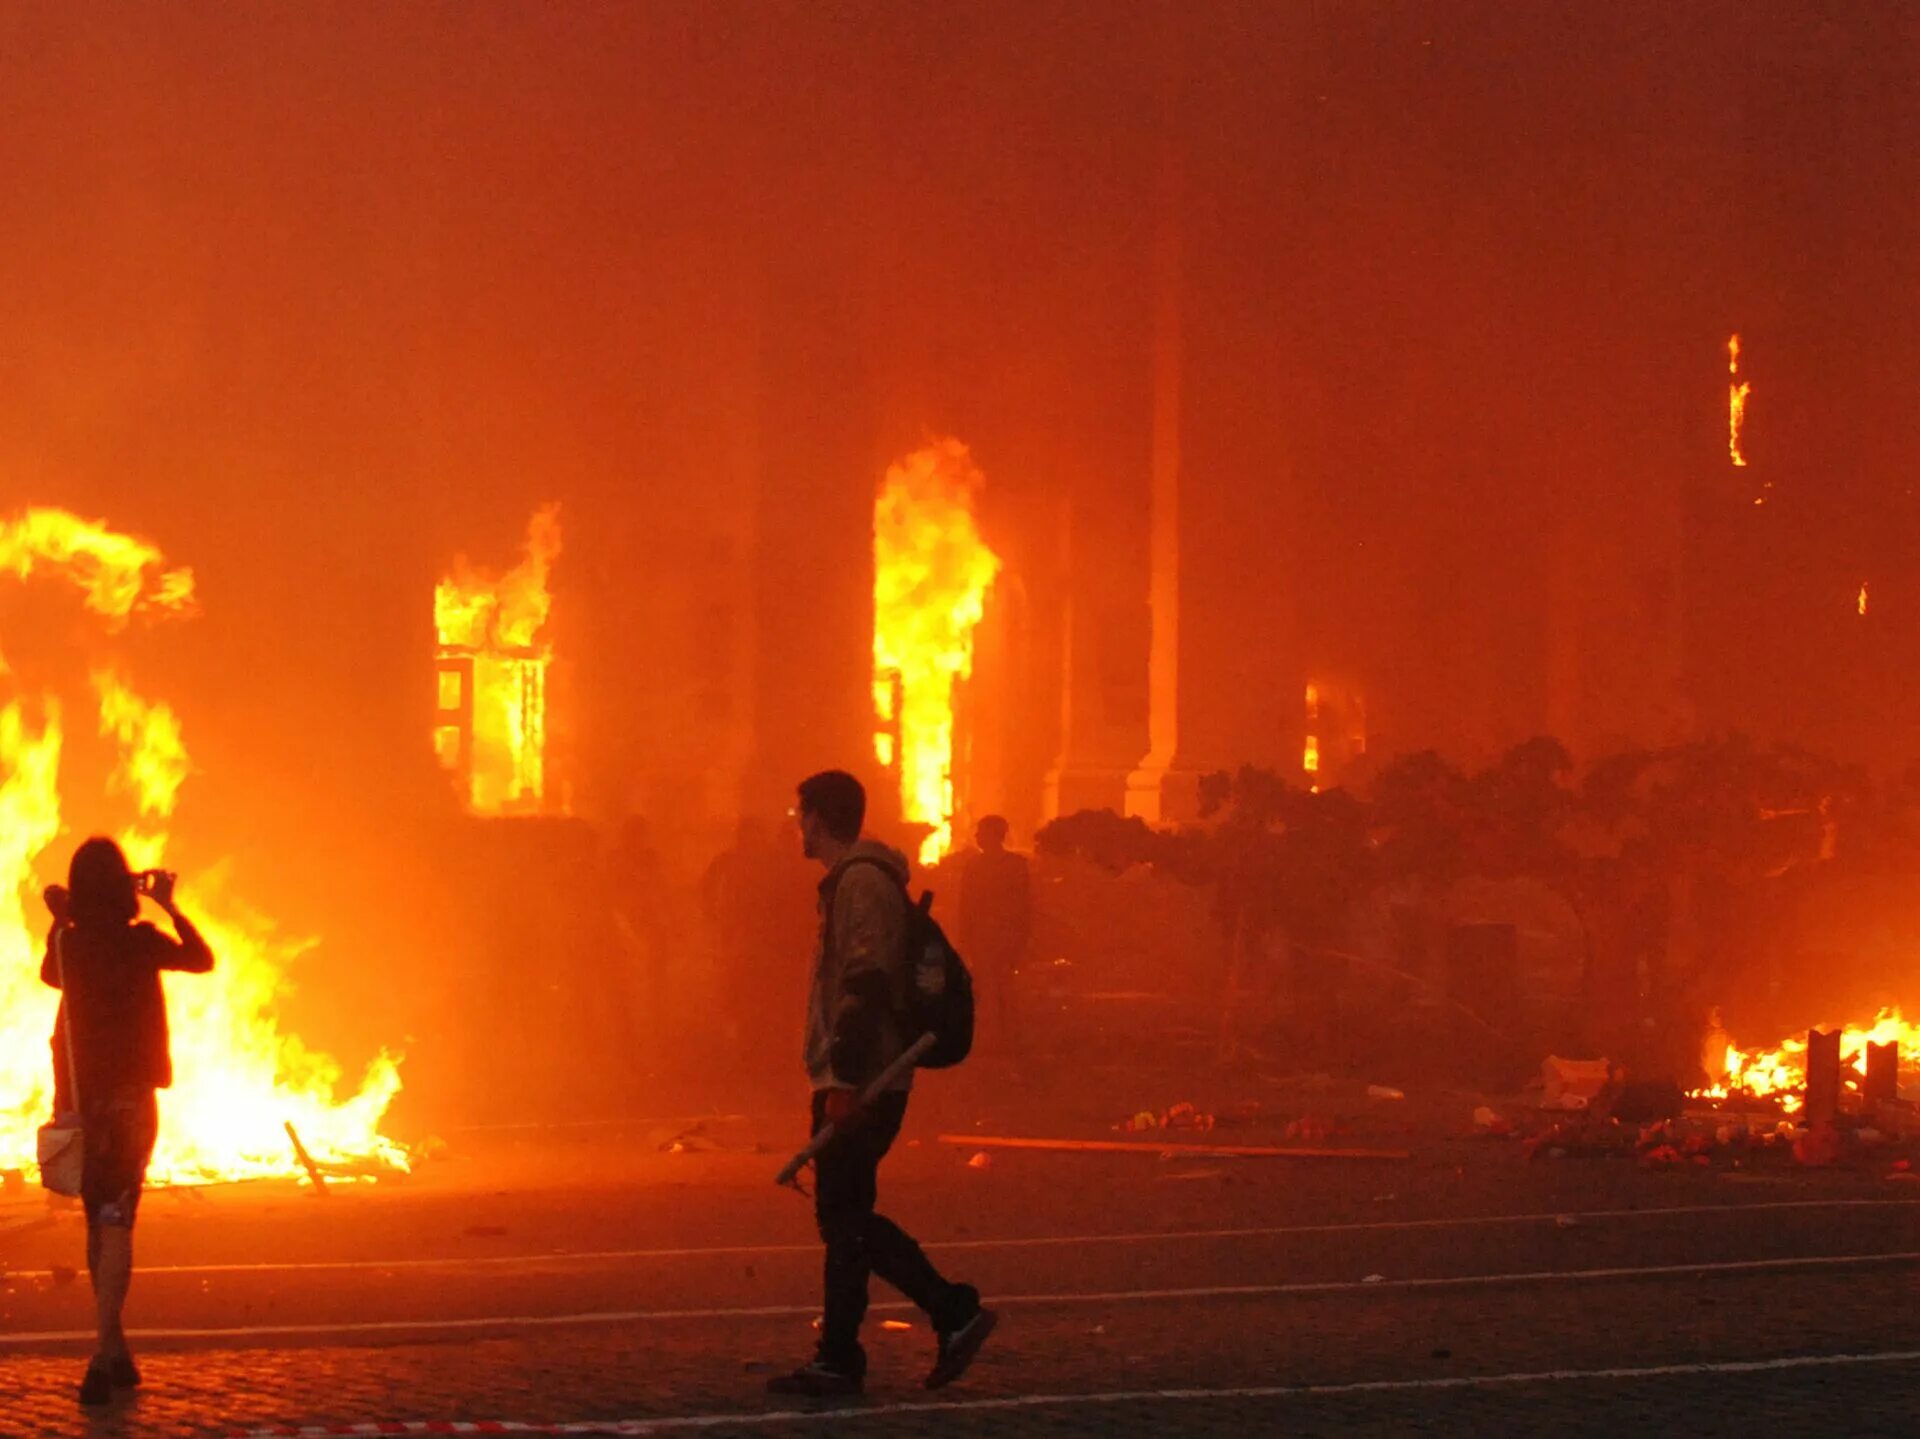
858	992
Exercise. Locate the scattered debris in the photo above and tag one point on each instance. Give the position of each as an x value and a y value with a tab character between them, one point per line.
1312	1128
1573	1083
1642	1101
1179	1116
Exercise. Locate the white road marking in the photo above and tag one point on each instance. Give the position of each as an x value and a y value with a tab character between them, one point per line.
751	1419
610	1256
1116	1296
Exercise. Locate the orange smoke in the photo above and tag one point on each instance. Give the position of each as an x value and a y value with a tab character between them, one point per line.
931	575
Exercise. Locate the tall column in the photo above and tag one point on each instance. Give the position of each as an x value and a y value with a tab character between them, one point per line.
1146	785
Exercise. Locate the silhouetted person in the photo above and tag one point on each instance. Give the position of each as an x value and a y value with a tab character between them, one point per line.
996	919
855	1029
108	967
741	903
639	893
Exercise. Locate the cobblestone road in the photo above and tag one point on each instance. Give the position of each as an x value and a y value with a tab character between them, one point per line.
1463	1292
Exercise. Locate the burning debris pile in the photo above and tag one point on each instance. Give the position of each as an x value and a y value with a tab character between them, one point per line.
1834	1098
1780	1075
241	1081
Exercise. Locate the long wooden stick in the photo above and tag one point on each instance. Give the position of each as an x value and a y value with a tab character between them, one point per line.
872	1092
306	1160
1195	1151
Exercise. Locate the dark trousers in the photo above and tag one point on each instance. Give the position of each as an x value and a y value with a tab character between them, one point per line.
861	1242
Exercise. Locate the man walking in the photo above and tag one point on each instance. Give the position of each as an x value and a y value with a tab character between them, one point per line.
855	1029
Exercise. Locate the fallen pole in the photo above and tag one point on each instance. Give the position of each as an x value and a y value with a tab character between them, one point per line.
306	1160
1193	1151
790	1173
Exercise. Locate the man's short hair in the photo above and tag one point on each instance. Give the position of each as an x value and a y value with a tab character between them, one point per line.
838	799
993	824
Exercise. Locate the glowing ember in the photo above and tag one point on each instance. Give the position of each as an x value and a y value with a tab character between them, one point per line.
491	728
1737	392
931	575
1781	1074
1861	599
239	1081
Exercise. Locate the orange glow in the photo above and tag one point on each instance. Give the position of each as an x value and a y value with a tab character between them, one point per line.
1861	599
240	1080
1310	756
931	575
1736	405
1782	1073
490	729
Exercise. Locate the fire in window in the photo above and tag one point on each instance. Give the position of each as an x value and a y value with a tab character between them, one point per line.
490	720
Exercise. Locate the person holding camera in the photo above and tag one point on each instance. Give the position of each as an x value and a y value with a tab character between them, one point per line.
113	1021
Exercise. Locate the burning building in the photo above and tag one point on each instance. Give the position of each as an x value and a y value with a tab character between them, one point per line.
1413	408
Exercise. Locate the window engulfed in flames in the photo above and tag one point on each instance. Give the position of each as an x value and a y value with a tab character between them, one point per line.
239	1080
490	728
932	572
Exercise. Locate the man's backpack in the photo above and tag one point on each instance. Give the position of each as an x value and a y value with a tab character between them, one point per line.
939	989
940	997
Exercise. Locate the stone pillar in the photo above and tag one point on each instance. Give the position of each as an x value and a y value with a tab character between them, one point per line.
1147	784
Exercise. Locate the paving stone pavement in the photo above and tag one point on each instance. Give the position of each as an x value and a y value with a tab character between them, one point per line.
715	1368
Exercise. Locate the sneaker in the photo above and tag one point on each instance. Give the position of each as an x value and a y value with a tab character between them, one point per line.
124	1372
818	1380
959	1346
97	1387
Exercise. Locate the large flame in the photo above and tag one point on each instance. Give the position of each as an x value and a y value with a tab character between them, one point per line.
239	1081
1737	392
931	575
1781	1073
1310	752
491	732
